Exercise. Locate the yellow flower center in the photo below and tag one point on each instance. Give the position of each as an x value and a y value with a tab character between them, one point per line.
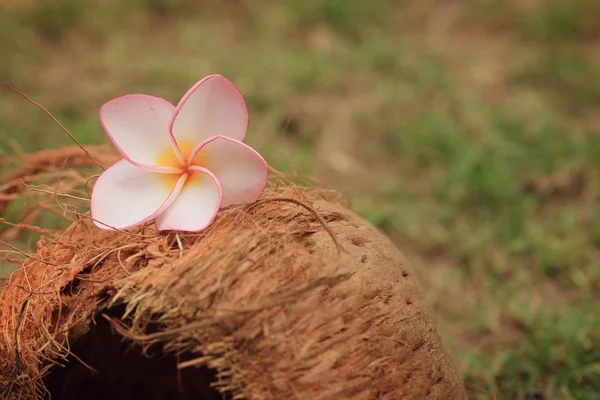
169	159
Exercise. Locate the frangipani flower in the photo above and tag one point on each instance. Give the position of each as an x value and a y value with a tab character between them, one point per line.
180	164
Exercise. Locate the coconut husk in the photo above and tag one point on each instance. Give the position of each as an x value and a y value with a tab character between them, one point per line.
293	296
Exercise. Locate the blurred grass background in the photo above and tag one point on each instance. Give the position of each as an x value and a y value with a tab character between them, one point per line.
468	131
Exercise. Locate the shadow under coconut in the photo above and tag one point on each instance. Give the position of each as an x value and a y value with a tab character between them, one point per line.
123	372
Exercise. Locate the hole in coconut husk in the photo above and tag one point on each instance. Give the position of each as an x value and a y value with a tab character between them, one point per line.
123	370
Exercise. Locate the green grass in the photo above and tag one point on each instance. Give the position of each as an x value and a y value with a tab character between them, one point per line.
471	129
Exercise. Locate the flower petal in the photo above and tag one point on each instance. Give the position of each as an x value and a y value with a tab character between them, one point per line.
125	196
240	170
196	206
213	106
138	125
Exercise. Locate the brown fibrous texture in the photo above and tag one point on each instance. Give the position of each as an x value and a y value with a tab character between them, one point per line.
292	296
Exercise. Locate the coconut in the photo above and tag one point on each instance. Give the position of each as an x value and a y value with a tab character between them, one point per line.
292	296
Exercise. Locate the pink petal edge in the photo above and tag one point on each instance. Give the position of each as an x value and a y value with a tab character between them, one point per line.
191	91
217	208
264	162
170	199
153	168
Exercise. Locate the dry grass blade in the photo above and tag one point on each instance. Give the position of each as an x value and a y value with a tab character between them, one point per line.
58	122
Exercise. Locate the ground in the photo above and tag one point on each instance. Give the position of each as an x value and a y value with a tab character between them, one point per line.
468	131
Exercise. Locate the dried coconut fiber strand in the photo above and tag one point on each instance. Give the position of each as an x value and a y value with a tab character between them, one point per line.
291	297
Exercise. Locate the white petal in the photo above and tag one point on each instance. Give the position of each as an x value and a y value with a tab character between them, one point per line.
213	106
125	196
240	170
196	206
138	125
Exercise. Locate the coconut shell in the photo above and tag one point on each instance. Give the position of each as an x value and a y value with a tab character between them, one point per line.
291	297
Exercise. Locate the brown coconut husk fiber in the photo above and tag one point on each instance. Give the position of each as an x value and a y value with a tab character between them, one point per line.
291	297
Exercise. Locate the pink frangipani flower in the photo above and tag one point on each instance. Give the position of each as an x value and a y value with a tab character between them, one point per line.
180	164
